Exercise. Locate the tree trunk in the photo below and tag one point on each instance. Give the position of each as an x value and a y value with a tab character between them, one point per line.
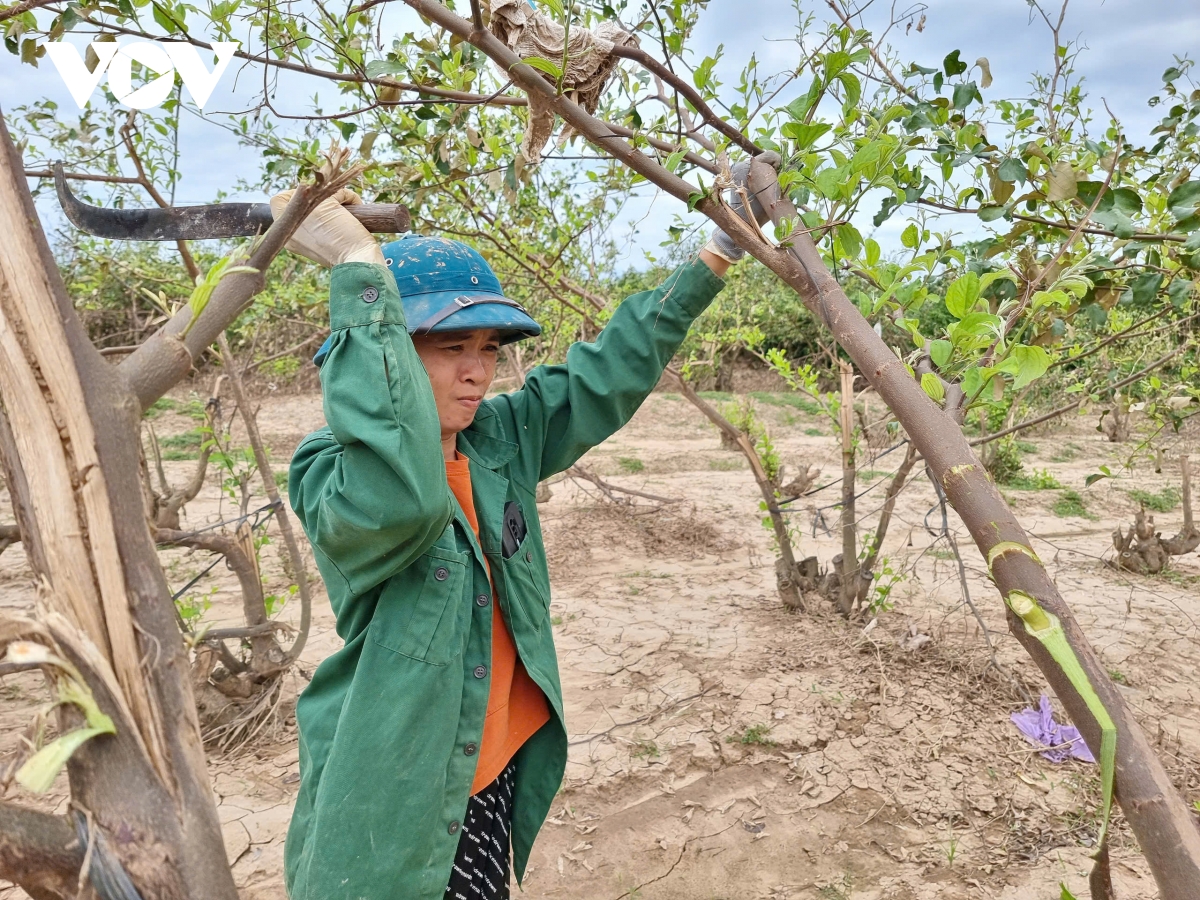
885	520
69	425
848	592
1155	811
69	442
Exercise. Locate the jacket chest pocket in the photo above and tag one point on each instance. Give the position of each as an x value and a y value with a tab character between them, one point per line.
418	615
521	580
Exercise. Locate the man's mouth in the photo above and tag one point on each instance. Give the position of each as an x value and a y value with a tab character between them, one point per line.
471	402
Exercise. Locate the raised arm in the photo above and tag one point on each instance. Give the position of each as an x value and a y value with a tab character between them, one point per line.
565	410
370	489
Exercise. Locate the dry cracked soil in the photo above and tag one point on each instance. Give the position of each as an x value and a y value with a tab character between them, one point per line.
723	747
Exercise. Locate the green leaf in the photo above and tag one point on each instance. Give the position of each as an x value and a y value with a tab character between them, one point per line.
953	65
1144	288
964	93
1031	364
991	278
910	237
377	68
1066	894
804	135
1184	201
990	213
872	251
932	385
39	771
673	161
1180	292
1012	170
976	327
1075	285
836	63
867	155
962	294
703	72
849	240
940	352
798	108
1097	476
543	65
853	88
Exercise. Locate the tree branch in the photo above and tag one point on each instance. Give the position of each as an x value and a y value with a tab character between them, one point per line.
168	354
39	852
646	61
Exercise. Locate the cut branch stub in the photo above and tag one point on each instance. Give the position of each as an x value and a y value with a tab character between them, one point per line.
1145	550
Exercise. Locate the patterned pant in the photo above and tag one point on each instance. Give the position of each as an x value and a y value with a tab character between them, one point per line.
481	864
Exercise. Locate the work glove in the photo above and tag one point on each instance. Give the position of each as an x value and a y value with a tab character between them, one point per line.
721	244
330	235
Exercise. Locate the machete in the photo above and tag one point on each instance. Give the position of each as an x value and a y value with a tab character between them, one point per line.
198	223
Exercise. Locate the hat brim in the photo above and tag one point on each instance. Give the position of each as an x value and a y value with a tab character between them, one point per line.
512	323
488	311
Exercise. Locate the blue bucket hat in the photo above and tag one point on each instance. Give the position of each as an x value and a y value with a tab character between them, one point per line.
447	286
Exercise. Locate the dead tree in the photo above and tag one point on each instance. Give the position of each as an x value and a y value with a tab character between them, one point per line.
69	445
1146	551
1156	812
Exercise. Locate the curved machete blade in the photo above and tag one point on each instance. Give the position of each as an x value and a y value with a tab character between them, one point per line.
175	223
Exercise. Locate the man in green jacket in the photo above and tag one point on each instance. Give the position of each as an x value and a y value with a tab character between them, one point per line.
394	725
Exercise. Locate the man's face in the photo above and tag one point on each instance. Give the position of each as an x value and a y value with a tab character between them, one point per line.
461	366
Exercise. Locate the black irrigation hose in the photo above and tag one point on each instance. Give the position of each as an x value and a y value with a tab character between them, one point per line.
105	871
254	526
253	514
839	481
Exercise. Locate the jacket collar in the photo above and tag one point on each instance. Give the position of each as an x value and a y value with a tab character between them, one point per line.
484	442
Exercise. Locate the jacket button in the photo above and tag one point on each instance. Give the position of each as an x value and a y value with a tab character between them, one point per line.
453	828
370	295
442	573
470	749
482	600
528	556
481	671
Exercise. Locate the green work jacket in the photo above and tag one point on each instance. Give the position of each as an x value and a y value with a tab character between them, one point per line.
390	724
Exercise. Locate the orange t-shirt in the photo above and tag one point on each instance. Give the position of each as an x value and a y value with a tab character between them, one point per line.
516	705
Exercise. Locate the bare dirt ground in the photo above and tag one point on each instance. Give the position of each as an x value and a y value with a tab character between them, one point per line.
722	747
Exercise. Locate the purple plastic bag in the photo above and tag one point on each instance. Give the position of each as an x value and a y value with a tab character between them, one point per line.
1063	741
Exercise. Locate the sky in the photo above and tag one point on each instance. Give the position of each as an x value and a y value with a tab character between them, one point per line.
1128	44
